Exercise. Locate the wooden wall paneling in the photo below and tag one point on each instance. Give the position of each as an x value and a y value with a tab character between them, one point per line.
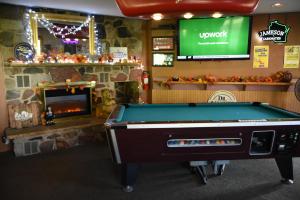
291	102
236	67
283	99
197	96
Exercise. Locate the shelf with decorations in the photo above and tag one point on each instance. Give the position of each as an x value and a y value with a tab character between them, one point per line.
279	81
65	60
229	83
66	84
15	64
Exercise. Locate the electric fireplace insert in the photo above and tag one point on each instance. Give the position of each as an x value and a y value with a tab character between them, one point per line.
68	102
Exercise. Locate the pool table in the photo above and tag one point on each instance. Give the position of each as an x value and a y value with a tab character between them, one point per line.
141	133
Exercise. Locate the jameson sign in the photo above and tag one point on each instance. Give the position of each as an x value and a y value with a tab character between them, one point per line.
277	32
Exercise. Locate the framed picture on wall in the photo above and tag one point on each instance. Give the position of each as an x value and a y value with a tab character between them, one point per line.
163	59
162	43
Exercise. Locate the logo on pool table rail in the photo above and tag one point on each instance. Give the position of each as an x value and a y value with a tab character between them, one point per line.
221	96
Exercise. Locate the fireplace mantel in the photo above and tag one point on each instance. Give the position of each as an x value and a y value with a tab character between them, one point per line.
68	64
46	85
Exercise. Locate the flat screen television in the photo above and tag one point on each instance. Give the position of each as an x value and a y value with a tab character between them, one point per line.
214	38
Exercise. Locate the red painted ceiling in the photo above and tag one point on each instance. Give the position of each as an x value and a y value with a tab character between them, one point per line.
175	8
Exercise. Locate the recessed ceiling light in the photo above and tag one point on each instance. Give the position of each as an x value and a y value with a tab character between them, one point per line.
217	15
188	15
157	16
277	5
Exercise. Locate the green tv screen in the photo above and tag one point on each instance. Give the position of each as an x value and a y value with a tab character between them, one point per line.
214	38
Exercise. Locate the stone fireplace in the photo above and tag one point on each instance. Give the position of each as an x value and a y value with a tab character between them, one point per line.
47	85
66	102
22	81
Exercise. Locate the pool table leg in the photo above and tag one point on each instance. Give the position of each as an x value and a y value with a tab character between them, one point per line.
285	166
129	175
201	171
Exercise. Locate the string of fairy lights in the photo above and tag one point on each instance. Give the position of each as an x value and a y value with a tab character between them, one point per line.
60	32
97	43
28	29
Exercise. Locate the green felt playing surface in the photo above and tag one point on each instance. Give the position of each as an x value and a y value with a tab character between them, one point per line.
215	112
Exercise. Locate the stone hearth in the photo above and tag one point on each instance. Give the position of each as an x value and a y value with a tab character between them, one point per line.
66	133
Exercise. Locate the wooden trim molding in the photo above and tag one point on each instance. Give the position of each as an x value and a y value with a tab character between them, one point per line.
3	105
282	99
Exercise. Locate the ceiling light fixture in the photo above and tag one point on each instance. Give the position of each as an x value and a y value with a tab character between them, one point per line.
188	15
277	5
157	16
217	15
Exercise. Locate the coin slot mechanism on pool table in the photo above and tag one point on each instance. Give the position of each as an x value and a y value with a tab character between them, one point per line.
207	142
287	141
262	142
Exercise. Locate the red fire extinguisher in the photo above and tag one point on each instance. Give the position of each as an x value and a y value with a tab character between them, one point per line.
145	80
